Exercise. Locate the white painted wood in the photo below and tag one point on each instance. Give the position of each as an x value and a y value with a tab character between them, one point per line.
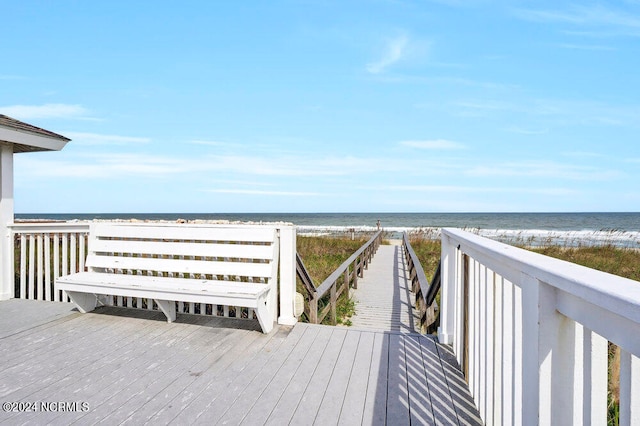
168	307
538	347
174	263
287	288
56	264
85	302
73	246
23	267
448	294
6	217
40	267
595	382
32	267
629	389
47	267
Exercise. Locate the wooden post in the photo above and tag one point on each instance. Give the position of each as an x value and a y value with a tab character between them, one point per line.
6	218
348	276
287	288
334	303
313	308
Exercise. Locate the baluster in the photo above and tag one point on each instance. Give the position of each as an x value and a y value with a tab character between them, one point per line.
23	267
56	264
47	267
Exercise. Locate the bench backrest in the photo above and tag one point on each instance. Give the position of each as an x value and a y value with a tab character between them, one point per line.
245	253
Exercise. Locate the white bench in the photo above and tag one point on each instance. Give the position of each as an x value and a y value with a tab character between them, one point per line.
218	265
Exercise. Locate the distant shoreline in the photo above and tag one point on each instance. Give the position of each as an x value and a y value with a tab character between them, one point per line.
565	229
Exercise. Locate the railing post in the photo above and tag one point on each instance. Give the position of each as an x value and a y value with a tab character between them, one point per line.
334	303
346	281
446	330
7	280
313	308
287	287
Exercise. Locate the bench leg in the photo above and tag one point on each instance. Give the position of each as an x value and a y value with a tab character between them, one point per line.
264	317
169	309
86	302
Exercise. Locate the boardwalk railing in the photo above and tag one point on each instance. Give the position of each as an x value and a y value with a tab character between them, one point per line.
45	251
344	277
425	293
531	332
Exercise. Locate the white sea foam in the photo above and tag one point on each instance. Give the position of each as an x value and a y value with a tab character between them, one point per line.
528	237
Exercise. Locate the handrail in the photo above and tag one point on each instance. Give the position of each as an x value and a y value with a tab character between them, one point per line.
530	332
425	292
350	270
303	274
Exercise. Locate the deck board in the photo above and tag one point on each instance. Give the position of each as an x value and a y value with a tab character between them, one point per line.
132	367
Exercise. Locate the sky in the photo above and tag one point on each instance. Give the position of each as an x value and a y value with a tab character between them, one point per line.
326	106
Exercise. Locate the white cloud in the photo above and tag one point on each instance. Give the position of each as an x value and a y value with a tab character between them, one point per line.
207	143
543	170
595	16
100	139
262	192
30	112
394	52
433	144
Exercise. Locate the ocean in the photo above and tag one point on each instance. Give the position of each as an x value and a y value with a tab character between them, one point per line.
620	229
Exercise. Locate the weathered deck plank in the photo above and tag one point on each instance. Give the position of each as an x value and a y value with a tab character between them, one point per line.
131	367
383	298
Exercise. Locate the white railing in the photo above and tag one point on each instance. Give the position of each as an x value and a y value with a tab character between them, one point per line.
530	333
45	251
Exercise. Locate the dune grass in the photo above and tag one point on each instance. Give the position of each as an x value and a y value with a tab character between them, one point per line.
322	256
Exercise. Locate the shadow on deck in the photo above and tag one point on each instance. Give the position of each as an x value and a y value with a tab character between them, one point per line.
120	365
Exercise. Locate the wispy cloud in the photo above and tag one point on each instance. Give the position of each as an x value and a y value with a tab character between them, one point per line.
435	144
11	77
593	16
393	52
458	189
524	131
542	169
264	192
30	112
207	143
588	47
101	139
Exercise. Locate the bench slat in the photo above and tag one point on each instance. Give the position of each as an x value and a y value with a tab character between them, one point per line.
164	284
185	232
241	251
242	269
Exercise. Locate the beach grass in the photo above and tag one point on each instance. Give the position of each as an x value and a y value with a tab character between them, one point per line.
322	256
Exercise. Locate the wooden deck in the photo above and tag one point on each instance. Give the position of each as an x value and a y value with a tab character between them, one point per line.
131	366
384	300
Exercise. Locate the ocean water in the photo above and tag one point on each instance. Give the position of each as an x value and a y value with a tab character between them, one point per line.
621	229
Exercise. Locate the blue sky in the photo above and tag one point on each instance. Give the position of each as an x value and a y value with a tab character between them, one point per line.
326	106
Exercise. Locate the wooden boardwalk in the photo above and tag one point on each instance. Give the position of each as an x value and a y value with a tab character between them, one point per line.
124	366
384	300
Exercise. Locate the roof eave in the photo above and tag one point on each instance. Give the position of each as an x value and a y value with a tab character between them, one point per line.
29	142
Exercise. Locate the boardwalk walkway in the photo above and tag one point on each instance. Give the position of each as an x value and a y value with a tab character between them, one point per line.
126	366
383	297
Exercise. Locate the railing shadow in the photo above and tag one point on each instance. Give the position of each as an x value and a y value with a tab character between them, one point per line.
419	382
401	286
